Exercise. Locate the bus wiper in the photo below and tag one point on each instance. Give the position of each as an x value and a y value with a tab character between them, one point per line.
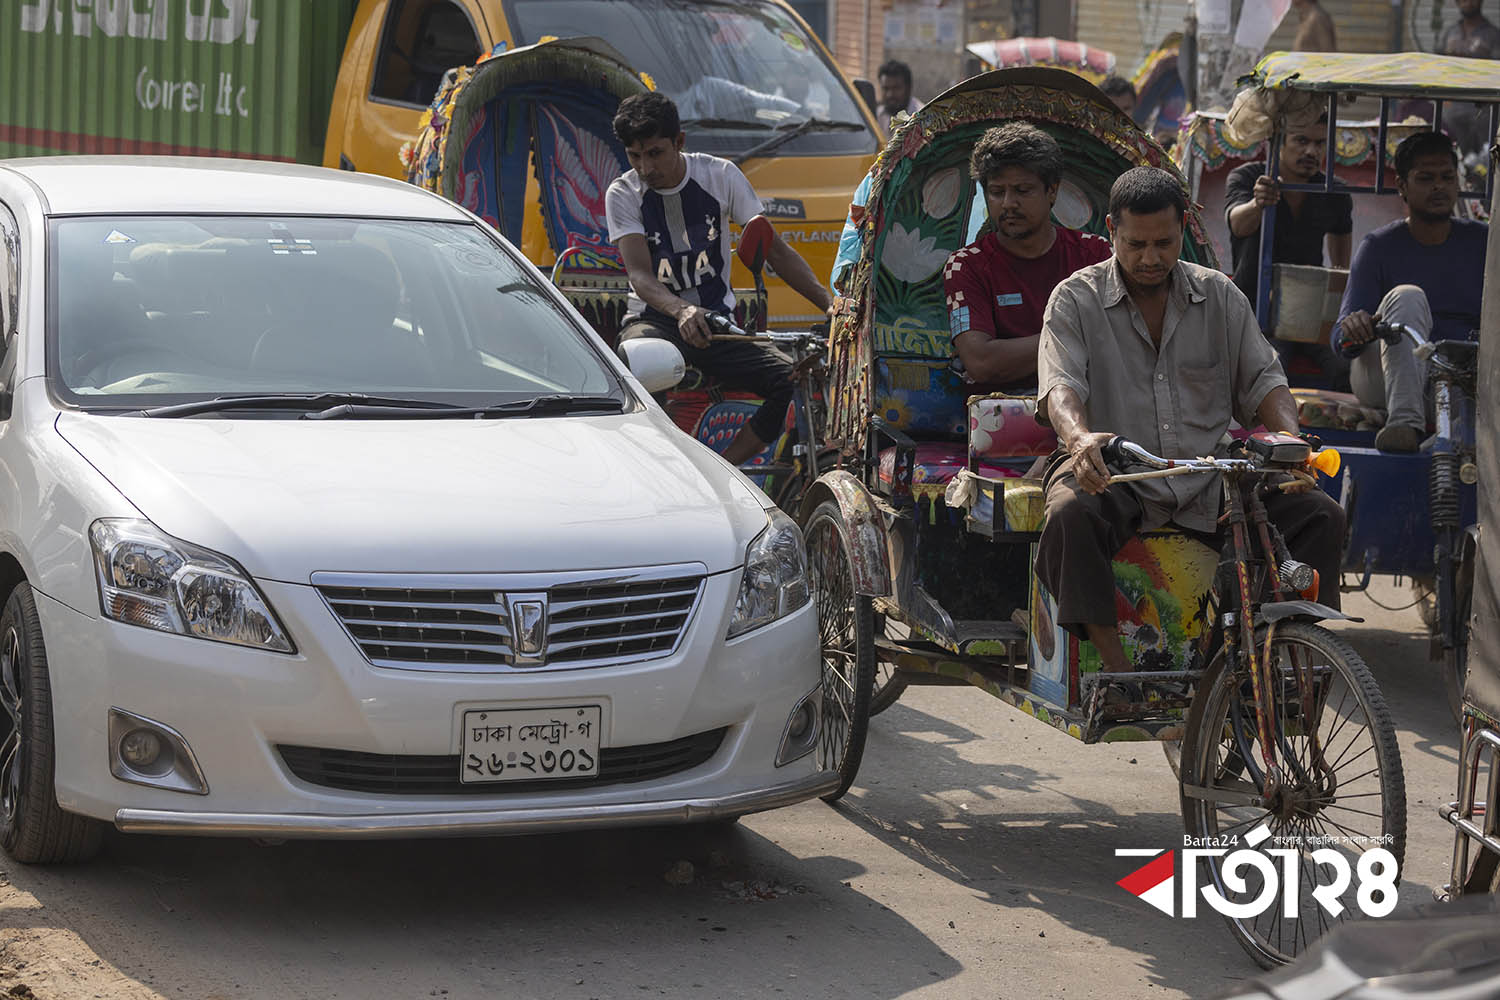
537	405
288	401
724	123
786	133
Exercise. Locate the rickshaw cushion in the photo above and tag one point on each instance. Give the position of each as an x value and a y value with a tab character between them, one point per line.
1337	410
1003	426
920	396
937	462
1023	501
1305	302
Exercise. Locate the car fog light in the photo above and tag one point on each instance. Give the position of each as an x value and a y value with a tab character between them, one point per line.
801	732
143	751
140	749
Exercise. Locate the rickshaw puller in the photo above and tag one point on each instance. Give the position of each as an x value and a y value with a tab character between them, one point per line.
669	216
1401	272
1163	352
997	287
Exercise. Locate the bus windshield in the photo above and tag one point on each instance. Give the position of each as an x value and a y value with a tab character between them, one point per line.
739	70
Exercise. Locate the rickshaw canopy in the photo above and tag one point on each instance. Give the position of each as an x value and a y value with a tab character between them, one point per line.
546	107
891	343
1400	74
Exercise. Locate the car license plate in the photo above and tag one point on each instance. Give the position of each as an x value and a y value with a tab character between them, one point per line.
528	744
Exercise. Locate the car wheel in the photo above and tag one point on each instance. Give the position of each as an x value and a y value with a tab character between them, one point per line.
33	828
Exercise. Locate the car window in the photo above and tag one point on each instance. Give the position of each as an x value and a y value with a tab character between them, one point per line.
735	68
174	309
421	41
10	279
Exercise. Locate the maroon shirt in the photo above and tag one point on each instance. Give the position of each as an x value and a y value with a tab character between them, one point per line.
991	291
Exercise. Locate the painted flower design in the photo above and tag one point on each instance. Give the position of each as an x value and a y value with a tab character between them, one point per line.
911	257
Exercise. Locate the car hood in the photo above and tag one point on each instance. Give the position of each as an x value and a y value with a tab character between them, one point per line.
288	498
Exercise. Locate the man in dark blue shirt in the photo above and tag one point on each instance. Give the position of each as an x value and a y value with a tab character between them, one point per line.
1426	271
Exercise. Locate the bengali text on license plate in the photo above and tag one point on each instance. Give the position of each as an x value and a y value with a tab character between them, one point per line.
527	744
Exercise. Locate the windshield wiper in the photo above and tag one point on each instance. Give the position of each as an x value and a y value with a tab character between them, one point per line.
786	133
724	123
287	400
552	403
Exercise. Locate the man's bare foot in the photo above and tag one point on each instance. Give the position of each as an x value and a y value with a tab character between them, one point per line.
745	446
1106	639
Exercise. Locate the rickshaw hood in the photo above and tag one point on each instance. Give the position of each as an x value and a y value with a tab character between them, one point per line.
287	498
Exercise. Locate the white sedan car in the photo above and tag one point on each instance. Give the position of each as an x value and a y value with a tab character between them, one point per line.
321	514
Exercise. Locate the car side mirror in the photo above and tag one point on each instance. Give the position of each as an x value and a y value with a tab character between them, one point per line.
657	364
866	89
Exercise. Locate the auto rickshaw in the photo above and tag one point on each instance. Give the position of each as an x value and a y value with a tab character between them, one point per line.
920	546
1409	515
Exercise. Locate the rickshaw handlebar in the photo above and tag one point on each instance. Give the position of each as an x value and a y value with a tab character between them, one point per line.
724	328
1121	453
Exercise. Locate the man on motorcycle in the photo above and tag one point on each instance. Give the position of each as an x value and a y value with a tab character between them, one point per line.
1425	271
1164	353
998	286
669	215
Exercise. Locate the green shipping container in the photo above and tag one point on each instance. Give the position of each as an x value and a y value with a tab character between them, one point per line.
247	78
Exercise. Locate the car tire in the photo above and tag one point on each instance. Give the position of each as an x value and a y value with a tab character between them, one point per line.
33	828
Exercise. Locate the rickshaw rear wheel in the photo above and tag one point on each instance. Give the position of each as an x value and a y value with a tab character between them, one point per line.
846	630
1366	807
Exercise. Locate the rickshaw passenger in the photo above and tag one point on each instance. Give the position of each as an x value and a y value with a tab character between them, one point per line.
997	287
1426	271
1163	352
1305	221
669	216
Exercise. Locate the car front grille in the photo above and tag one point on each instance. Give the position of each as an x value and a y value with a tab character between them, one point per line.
592	621
391	774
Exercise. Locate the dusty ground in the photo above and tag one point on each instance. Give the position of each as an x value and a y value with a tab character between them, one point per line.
974	859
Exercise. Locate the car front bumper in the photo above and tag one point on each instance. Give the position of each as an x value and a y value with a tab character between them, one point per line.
498	822
236	708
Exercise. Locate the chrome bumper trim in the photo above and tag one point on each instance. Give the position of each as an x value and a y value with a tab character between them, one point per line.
495	822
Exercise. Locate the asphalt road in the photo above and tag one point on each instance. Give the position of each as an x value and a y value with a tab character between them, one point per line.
973	859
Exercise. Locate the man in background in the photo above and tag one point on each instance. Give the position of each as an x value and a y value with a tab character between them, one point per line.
1425	271
1315	29
1122	92
1472	36
1305	223
895	93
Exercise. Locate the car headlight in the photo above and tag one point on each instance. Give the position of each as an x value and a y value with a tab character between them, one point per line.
775	580
148	578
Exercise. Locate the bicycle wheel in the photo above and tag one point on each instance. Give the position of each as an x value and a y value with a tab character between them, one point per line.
889	684
846	627
1365	800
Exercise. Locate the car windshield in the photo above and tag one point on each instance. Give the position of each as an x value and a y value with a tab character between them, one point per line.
736	68
158	310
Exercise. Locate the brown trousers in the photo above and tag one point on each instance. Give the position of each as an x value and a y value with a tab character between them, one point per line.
1083	531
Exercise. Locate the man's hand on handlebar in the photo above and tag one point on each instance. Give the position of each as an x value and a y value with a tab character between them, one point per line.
692	325
1088	462
1358	328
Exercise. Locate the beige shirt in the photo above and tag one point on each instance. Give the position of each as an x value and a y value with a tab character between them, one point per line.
1177	402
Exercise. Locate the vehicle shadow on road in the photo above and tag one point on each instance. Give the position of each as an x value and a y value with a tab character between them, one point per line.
676	911
1019	837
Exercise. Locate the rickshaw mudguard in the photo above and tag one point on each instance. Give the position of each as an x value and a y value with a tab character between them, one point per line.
864	524
1312	611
